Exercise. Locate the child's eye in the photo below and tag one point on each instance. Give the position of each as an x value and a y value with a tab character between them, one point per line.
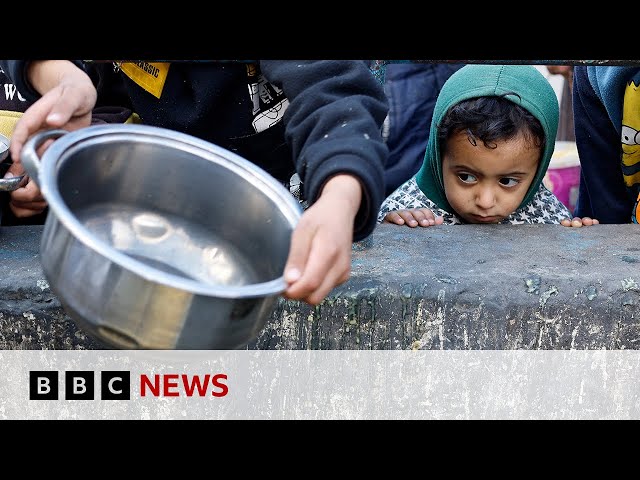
467	177
508	182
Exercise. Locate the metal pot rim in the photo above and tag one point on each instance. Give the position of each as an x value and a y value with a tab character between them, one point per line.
61	147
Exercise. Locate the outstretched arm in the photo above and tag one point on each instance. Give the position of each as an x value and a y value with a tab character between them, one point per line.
333	126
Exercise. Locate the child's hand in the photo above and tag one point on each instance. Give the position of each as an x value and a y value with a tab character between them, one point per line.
413	217
579	222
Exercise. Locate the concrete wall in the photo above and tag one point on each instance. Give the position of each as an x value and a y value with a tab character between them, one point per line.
445	287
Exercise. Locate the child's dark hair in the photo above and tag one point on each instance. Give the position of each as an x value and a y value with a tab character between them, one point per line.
488	119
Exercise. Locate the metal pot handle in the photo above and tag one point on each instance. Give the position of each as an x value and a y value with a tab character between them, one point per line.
29	157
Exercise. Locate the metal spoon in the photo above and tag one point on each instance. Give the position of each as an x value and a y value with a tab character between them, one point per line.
11	184
8	184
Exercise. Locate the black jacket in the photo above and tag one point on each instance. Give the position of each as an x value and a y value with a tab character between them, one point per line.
318	118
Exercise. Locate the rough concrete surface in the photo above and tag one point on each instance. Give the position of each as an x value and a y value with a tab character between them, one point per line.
478	287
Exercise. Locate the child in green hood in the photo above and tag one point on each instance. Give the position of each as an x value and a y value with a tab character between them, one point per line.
492	136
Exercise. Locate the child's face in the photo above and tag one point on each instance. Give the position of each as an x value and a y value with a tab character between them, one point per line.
486	185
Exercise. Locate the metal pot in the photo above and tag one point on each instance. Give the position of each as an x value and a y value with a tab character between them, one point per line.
158	240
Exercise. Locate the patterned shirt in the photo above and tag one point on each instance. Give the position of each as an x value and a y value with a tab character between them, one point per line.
543	208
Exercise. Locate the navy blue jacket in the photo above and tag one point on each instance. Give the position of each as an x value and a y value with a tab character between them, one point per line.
598	119
332	121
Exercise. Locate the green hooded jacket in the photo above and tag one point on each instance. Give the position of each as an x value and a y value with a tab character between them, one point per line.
474	80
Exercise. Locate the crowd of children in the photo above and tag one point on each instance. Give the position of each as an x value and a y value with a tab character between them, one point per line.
491	136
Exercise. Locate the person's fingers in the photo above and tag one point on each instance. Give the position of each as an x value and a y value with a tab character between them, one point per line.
298	252
328	284
421	217
588	221
319	257
321	244
70	103
57	108
414	217
27	194
27	201
28	212
408	217
424	216
393	217
325	268
15	169
33	120
577	222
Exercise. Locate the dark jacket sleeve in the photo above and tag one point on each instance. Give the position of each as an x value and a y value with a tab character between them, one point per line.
334	125
16	71
602	192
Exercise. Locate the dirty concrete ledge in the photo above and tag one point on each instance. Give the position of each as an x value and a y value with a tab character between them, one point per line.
446	287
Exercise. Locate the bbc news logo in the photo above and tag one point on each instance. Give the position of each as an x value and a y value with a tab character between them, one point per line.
79	385
116	385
